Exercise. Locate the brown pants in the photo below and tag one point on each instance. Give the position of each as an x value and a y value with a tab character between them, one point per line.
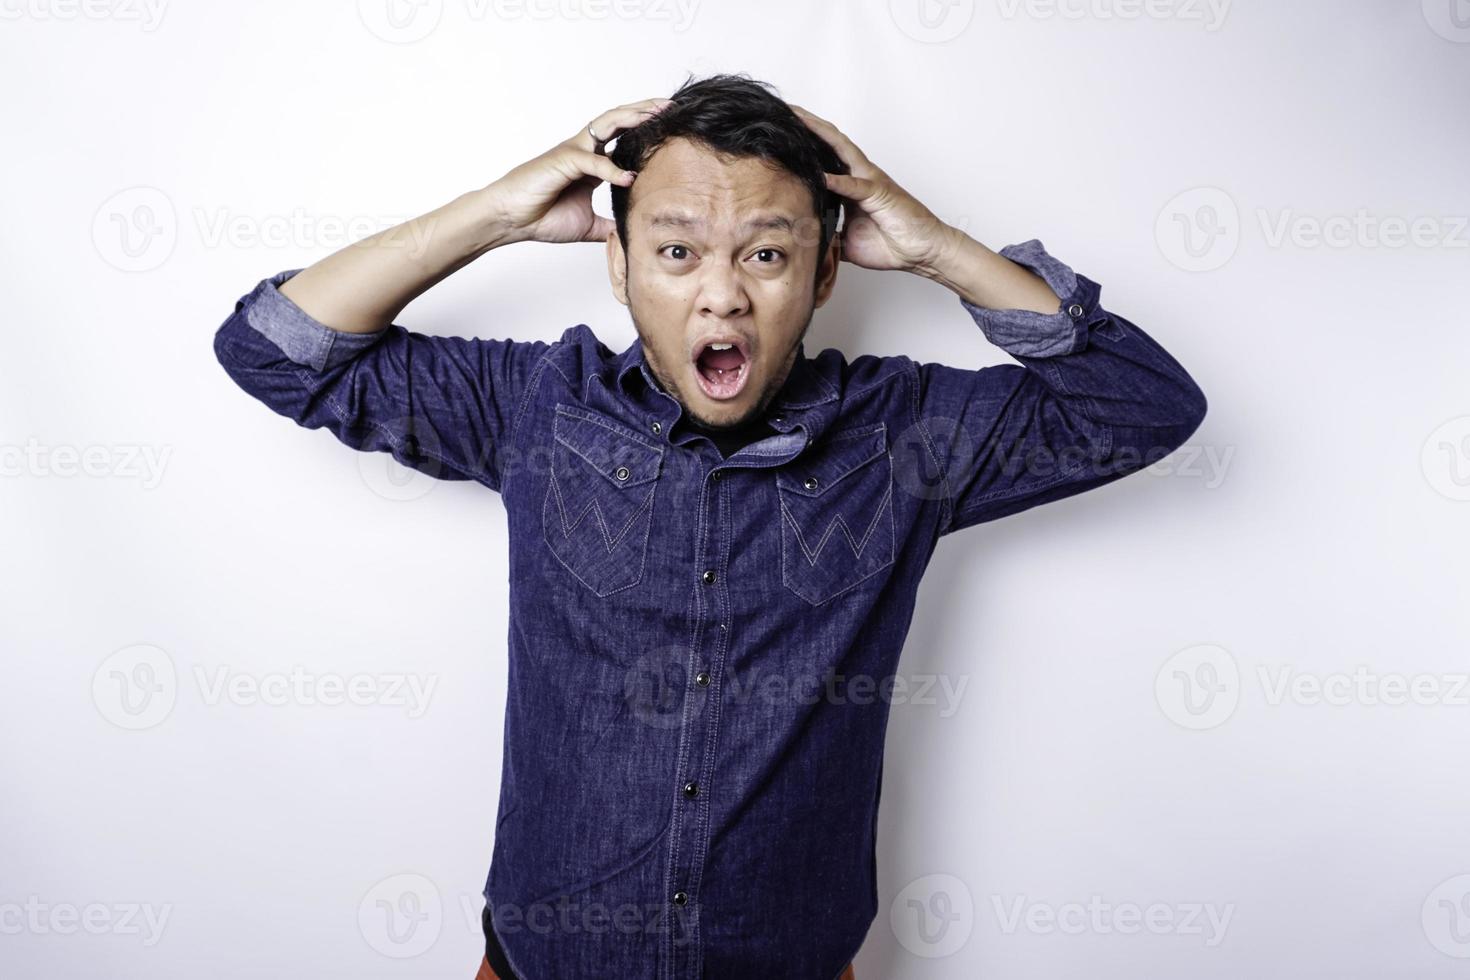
488	974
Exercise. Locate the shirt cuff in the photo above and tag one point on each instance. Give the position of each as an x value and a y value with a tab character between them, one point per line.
300	336
1025	333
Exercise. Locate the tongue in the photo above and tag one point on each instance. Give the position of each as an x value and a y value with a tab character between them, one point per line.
723	359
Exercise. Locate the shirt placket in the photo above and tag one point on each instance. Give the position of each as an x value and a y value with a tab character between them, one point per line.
709	632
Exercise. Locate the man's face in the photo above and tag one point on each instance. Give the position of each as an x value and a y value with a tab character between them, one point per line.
719	251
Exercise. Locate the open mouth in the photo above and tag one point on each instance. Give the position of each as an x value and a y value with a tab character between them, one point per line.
722	368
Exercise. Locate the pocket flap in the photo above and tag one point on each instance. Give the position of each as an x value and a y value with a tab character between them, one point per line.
823	465
623	457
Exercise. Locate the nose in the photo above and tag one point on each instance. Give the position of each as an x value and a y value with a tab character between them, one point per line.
721	292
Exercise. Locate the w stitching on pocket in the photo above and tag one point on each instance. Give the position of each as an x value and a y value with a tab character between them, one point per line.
598	509
851	471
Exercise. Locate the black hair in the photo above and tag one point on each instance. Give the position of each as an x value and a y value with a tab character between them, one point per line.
741	117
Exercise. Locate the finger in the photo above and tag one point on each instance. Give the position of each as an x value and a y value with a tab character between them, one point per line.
614	121
597	166
847	151
855	189
601	228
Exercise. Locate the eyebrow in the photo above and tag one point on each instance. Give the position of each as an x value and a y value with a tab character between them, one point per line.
680	219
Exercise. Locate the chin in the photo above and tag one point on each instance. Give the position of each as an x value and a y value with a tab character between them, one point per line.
721	415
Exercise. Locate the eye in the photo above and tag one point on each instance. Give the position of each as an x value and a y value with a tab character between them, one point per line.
776	255
684	249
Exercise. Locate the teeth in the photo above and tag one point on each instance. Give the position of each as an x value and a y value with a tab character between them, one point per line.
720	346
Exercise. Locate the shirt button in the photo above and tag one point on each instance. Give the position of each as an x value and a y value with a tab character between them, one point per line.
718	474
810	484
657	427
691	790
708	576
621	473
702	678
1074	311
776	418
680	898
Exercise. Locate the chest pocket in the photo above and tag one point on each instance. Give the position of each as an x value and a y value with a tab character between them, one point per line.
600	499
837	513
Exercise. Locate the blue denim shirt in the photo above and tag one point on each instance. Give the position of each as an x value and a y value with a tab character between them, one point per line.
702	649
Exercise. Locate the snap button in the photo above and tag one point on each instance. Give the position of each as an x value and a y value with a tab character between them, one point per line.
702	678
657	427
708	576
691	790
621	473
777	418
718	475
810	483
1074	311
680	898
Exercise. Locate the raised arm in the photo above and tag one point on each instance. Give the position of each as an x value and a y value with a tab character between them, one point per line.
319	344
1093	399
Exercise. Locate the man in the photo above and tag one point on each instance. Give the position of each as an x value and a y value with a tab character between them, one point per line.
715	539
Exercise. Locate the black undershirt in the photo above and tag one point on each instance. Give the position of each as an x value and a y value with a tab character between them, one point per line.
731	441
493	952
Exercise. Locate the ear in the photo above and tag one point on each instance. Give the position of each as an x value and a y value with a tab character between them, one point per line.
827	274
617	267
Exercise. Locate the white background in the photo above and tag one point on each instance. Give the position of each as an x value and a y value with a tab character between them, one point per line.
160	163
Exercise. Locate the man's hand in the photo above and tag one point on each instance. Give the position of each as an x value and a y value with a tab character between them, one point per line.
549	199
362	287
887	228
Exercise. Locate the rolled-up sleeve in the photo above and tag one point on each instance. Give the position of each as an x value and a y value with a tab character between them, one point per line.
299	336
1093	399
445	406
